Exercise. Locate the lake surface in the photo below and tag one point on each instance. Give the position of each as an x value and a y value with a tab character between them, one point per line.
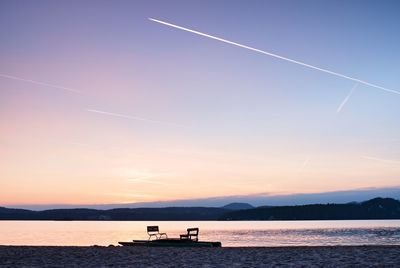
230	233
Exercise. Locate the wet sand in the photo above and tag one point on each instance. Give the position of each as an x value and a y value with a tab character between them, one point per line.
335	256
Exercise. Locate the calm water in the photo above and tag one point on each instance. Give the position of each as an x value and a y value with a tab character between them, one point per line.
231	233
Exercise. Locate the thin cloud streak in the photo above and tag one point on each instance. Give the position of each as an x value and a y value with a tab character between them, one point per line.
76	143
88	145
339	109
40	83
130	195
147	181
135	118
389	161
277	56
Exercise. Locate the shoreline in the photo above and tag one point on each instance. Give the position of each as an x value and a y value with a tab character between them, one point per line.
116	256
223	247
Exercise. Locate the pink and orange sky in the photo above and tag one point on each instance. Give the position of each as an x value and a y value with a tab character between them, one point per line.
162	114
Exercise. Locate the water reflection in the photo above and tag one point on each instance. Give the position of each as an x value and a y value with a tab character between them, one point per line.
308	237
243	233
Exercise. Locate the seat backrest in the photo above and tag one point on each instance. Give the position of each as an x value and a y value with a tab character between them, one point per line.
193	232
152	229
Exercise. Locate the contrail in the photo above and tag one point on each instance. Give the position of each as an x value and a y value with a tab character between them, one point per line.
305	163
277	56
40	83
381	160
339	109
134	118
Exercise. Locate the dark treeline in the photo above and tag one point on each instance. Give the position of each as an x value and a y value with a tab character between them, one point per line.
119	214
378	208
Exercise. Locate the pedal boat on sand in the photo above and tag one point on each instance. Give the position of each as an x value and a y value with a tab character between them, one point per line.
190	239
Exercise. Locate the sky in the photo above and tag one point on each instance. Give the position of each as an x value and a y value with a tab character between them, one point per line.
100	105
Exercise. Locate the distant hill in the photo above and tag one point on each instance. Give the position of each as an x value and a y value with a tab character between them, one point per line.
119	214
377	208
238	206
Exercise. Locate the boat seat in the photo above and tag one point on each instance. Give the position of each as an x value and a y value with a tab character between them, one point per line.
153	231
192	234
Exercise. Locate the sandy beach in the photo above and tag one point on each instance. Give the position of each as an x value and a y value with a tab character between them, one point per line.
336	256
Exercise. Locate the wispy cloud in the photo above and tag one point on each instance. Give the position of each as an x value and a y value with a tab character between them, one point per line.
277	56
75	143
145	177
147	180
388	161
134	118
40	83
130	194
339	109
88	145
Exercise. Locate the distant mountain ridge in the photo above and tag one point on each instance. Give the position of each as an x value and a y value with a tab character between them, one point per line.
238	206
377	208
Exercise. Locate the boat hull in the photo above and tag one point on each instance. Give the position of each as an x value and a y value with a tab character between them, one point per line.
170	243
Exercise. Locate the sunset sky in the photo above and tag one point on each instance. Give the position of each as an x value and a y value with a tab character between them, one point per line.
99	104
